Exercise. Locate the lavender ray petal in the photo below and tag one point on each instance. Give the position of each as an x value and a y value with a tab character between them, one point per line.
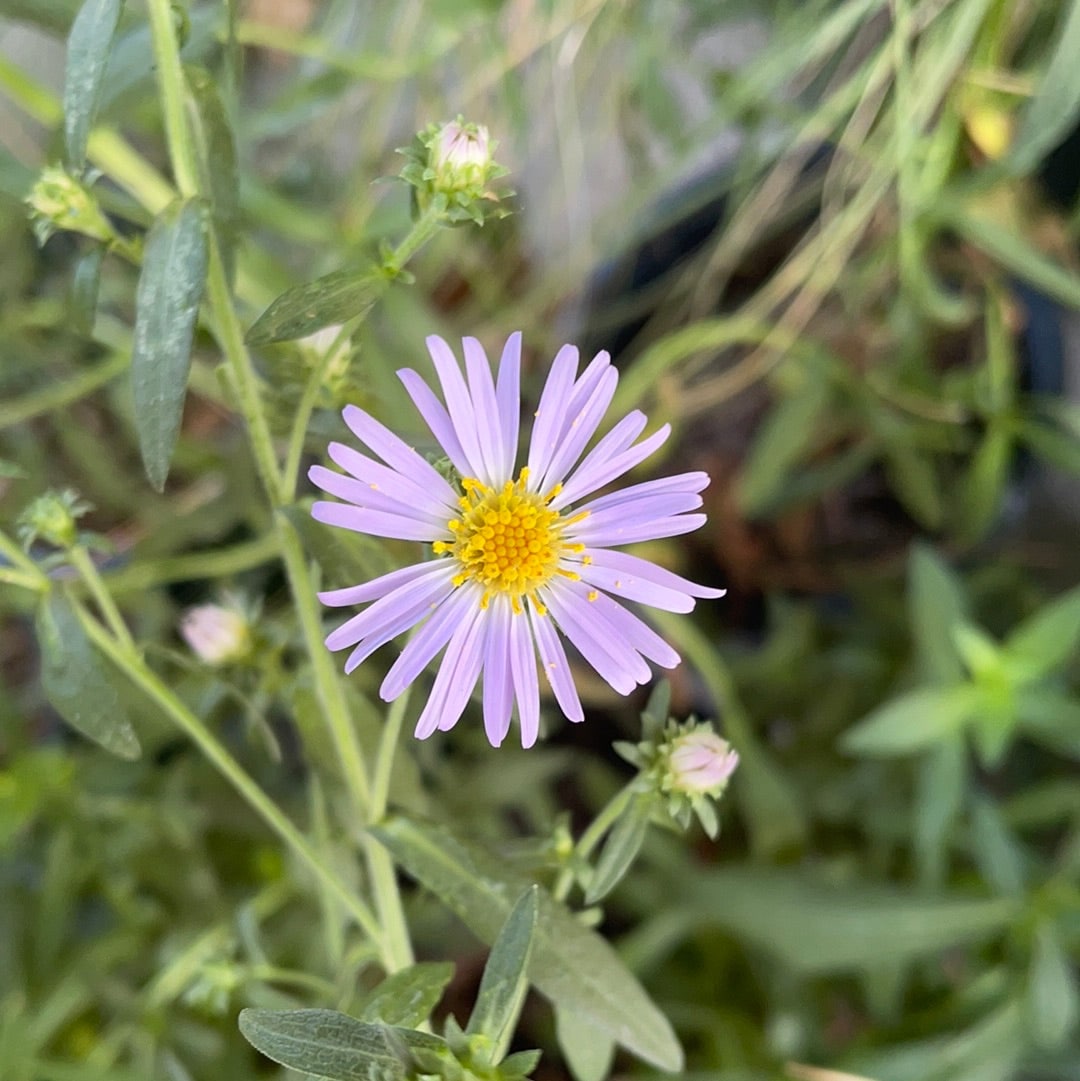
628	587
681	482
556	666
580	428
436	418
550	413
587	479
376	588
397	453
523	673
641	511
459	405
413	491
415	596
617	535
619	439
368	497
636	632
619	667
654	529
498	682
377	523
446	701
429	639
482	392
508	399
635	567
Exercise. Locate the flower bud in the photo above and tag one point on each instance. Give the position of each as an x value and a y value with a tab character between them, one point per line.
58	201
451	166
700	763
52	517
216	635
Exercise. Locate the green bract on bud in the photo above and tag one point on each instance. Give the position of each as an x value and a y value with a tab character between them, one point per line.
452	165
686	764
217	635
52	517
60	202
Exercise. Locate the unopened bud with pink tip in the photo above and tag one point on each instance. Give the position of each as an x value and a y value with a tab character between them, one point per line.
700	763
216	635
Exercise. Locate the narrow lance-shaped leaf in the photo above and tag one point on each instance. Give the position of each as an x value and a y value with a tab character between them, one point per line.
304	309
84	289
620	849
408	997
89	42
1056	103
587	1052
1053	994
504	984
915	720
571	965
78	681
329	1044
216	152
167	302
935	606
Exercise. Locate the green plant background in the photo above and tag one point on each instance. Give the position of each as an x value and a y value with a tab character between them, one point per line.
895	893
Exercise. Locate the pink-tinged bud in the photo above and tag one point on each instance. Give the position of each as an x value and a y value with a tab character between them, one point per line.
461	157
701	763
215	634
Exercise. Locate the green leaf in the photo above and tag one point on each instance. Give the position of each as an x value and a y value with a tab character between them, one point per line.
78	680
1050	717
1015	254
329	1044
816	928
981	654
504	983
407	997
1047	639
573	966
915	480
1053	998
935	606
1054	108
1060	447
620	849
216	152
304	309
89	42
917	719
166	308
587	1053
996	851
84	289
939	795
787	433
983	487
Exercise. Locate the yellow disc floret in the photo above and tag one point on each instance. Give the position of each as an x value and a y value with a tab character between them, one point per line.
508	539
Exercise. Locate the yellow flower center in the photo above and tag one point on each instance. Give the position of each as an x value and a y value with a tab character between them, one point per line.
508	539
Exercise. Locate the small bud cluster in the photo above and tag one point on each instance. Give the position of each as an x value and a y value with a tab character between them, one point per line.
468	1057
218	635
53	518
60	202
452	165
685	763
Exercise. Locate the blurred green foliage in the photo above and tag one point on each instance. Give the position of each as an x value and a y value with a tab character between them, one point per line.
859	346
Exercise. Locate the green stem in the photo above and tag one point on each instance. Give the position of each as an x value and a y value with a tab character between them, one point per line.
23	562
171	83
425	227
56	395
142	677
88	572
332	703
380	865
592	836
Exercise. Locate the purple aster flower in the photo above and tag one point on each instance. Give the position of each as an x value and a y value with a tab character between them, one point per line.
519	555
